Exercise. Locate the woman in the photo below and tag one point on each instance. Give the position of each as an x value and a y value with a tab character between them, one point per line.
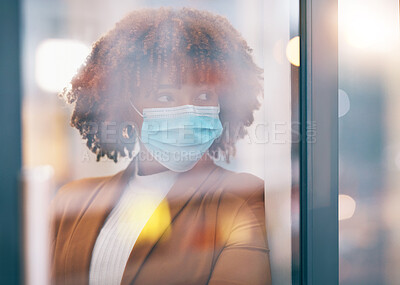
181	86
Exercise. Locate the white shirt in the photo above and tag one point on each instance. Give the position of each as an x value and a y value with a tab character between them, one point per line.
117	237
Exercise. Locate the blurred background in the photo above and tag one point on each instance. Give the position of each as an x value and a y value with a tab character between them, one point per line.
57	36
369	141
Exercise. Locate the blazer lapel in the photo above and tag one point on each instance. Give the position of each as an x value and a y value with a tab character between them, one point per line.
90	222
177	198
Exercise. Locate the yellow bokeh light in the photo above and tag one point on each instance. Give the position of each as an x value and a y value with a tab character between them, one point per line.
293	51
156	221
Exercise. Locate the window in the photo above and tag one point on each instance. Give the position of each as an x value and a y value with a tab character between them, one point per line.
288	159
156	70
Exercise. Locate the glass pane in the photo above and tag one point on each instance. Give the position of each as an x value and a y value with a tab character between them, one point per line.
369	142
158	144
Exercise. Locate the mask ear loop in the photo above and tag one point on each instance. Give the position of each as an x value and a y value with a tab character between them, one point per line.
140	114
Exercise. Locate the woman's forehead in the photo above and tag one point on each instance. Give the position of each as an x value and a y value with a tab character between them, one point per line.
165	82
176	72
191	76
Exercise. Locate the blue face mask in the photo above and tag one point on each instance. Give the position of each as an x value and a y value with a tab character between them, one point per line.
178	137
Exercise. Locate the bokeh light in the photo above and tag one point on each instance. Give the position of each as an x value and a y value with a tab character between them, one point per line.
344	103
369	24
57	60
347	207
293	51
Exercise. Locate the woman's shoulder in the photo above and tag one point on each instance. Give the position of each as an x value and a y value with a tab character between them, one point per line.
241	184
241	208
81	186
78	192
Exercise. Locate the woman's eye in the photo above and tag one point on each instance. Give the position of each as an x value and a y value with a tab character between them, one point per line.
164	98
203	96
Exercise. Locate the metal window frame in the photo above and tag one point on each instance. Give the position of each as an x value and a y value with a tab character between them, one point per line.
10	149
319	250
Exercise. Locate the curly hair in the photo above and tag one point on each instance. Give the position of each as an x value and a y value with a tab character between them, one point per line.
132	56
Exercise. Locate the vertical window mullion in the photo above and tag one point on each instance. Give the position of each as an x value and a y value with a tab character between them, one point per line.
319	144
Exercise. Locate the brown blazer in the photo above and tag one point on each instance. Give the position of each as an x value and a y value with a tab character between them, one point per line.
216	234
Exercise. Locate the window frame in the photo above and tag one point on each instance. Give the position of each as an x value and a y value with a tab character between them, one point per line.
10	150
319	246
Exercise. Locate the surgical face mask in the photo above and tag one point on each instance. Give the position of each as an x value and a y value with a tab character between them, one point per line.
178	137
